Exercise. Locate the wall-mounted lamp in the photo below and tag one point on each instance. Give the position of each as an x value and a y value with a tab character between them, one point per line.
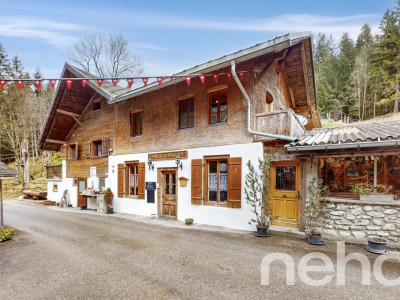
150	164
113	168
178	162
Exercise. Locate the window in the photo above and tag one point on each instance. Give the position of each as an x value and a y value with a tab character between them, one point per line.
102	183
96	148
55	187
269	102
186	113
218	180
96	104
132	183
286	178
136	124
219	107
73	151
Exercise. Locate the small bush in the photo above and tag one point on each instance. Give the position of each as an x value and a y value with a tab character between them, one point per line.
189	221
6	234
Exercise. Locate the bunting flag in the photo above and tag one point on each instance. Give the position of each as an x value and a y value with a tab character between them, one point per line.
115	81
159	79
215	76
69	83
145	80
84	82
130	81
188	78
53	83
172	78
241	75
229	75
3	84
100	82
202	78
19	84
37	83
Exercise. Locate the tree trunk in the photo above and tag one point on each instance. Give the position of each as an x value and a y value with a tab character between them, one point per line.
25	163
396	101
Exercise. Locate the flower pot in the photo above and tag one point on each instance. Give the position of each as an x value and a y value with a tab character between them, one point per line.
261	231
189	224
83	207
315	240
377	246
48	202
110	211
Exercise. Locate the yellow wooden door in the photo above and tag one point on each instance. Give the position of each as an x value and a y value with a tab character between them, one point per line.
169	194
285	182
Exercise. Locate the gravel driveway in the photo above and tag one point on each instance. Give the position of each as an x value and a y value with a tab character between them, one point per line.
62	255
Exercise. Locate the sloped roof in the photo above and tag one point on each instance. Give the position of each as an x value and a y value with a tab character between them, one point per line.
6	171
369	132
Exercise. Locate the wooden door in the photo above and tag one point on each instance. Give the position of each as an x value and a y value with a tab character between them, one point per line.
169	199
81	186
285	193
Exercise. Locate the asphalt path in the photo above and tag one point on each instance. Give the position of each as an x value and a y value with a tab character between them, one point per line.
64	255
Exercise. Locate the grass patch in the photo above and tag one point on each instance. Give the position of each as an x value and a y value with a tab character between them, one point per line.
332	123
6	234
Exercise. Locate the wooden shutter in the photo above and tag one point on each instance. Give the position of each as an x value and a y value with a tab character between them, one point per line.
141	179
63	152
76	151
197	181
121	180
105	143
88	150
234	182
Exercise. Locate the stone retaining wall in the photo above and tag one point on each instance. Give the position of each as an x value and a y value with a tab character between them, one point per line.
349	219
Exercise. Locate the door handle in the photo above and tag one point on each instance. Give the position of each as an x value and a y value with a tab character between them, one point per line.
284	196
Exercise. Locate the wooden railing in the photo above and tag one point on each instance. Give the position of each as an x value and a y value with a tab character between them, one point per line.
53	172
281	122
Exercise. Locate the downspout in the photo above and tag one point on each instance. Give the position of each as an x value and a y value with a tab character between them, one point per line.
274	136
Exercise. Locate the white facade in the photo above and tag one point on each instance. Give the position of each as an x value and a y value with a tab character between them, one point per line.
237	218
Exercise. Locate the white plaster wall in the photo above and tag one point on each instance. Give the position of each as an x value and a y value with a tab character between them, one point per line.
237	218
63	184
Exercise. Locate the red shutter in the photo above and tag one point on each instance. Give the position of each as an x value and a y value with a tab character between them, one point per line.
120	180
141	180
63	152
197	181
234	182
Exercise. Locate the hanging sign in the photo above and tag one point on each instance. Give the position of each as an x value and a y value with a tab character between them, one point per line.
3	84
202	78
69	83
215	78
145	80
130	81
100	82
53	83
188	78
115	81
241	75
159	79
19	84
229	75
84	82
37	84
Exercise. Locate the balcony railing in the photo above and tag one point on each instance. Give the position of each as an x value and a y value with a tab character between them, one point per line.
281	122
53	172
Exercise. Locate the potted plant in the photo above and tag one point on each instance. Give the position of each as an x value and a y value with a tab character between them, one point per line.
108	200
377	245
257	195
189	221
316	209
368	192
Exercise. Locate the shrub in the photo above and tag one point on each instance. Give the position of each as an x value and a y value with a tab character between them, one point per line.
6	234
189	221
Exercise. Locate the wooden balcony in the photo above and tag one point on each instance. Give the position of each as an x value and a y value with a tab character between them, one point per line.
53	172
280	122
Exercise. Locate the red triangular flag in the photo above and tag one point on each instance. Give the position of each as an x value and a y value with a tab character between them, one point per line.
188	79
172	78
53	83
215	78
84	82
160	79
241	75
229	75
202	78
115	81
3	84
100	82
19	84
37	83
69	83
130	81
145	81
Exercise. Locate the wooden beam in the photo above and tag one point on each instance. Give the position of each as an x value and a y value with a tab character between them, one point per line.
269	65
68	113
292	98
55	141
305	73
89	103
76	119
52	124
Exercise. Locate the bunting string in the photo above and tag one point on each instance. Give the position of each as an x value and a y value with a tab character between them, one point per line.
130	80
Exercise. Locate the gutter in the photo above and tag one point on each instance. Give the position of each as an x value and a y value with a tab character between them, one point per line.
359	145
274	136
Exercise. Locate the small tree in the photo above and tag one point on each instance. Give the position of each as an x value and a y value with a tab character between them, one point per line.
108	198
316	206
257	192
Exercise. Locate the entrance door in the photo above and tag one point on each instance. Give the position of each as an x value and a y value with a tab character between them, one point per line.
285	193
81	186
169	194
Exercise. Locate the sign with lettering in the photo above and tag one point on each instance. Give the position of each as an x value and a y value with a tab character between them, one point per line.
168	155
151	185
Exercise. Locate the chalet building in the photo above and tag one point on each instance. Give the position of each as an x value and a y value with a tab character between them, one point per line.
189	142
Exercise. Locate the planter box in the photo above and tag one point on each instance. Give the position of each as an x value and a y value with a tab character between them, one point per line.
377	197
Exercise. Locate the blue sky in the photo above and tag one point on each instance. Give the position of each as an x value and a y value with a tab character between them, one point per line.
172	35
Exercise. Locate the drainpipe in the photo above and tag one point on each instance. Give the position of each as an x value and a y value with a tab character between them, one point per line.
274	136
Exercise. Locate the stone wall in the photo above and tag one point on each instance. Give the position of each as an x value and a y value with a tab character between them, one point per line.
357	220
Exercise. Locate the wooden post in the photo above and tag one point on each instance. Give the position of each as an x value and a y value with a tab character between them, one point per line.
1	204
25	163
375	172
